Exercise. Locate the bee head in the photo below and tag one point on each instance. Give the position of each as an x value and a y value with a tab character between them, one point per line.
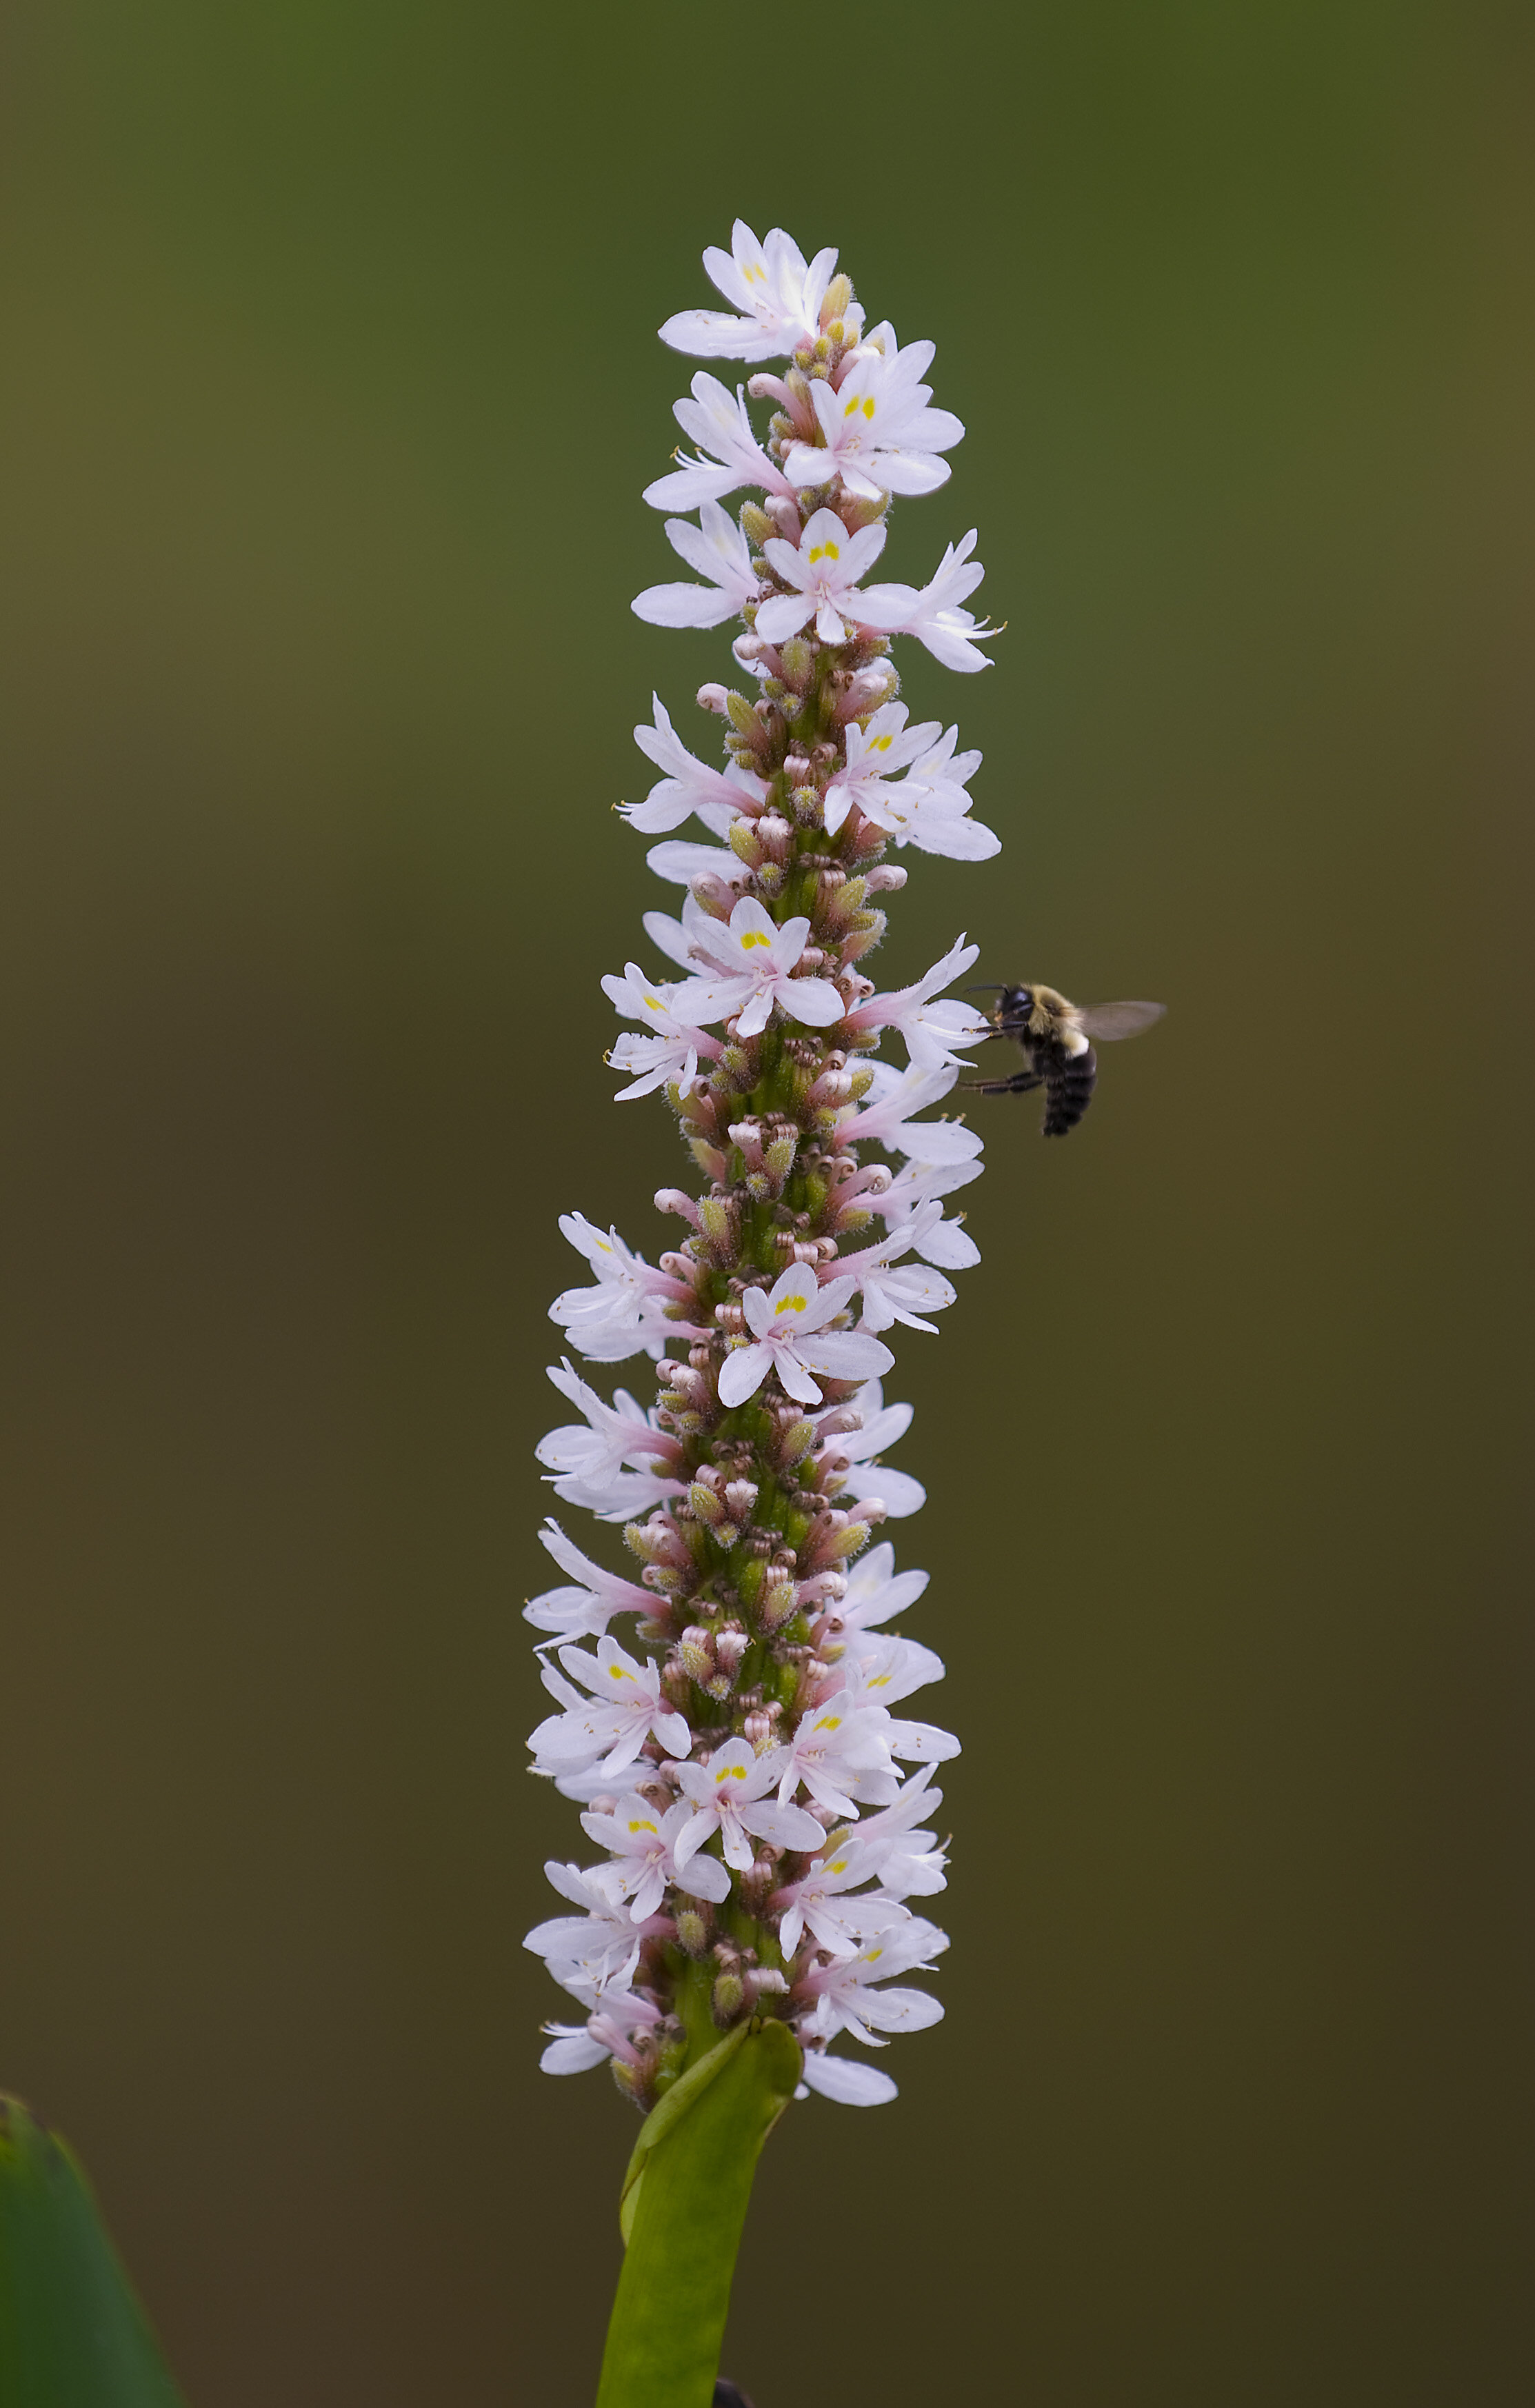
1013	1006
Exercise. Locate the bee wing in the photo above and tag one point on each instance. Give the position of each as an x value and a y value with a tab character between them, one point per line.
1107	1021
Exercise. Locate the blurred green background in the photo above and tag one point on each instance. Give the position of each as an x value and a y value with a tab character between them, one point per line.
331	385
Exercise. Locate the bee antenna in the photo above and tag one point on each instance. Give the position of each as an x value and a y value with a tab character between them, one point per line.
985	986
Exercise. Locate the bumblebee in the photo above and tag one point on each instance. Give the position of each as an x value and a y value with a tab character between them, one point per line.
1055	1038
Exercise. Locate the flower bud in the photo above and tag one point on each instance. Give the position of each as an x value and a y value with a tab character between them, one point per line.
717	899
674	1200
778	1602
745	842
691	1930
798	661
757	526
779	1160
705	1504
716	1224
795	1442
835	300
695	1654
730	1997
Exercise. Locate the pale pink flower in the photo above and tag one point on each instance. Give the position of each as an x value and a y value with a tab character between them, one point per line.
728	1795
609	2030
789	1336
753	961
844	1992
584	1610
932	613
778	295
717	549
718	424
717	795
878	432
642	1841
823	570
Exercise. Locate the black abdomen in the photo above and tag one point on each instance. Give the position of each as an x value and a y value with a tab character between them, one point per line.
1068	1091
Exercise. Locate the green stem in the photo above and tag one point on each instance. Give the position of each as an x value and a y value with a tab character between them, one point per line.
687	2191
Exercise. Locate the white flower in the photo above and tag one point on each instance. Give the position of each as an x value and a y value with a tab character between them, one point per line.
600	1946
931	1029
607	1730
717	795
685	941
893	1291
754	964
932	615
874	750
642	1839
878	432
584	1611
728	1795
929	806
670	1048
853	1452
886	1120
910	1862
839	2078
717	549
614	1434
878	1668
623	1496
616	2015
844	1993
789	1336
946	1243
835	1750
679	863
627	1308
875	1590
839	1925
779	296
719	424
823	571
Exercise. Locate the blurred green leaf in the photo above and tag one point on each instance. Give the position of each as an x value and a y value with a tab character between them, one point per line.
72	2333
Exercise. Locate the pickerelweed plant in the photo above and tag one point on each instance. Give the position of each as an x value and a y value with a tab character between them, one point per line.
762	1806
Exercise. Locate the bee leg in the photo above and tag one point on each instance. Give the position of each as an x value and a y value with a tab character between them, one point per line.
1022	1082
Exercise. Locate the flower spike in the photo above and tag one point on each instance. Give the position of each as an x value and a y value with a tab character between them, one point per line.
729	1711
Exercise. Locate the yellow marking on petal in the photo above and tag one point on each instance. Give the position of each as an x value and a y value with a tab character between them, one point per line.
726	1772
869	406
795	1304
839	1867
852	408
882	744
828	1722
755	937
642	1826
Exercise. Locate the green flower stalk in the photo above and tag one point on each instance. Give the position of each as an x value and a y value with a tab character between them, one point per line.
759	1799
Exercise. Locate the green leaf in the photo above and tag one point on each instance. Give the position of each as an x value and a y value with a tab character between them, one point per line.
685	2201
72	2333
659	2123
